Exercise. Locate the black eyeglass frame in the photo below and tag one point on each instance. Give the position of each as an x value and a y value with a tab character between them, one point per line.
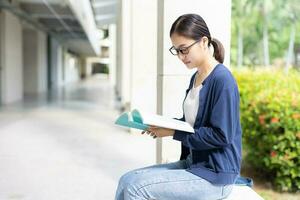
182	50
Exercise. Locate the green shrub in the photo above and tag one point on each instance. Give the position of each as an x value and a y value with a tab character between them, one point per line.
270	117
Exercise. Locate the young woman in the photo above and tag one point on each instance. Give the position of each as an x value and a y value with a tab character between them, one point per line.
210	158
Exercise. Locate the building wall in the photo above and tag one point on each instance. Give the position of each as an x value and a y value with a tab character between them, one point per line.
12	61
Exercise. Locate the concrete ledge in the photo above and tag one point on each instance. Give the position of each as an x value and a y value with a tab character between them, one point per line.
243	193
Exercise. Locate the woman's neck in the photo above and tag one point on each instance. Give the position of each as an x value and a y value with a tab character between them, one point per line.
206	68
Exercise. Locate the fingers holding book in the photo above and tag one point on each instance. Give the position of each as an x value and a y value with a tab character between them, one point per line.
158	132
152	134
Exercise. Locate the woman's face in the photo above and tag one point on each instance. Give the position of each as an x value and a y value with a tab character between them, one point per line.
191	52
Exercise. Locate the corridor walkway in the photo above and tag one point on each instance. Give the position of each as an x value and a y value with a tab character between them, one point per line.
64	145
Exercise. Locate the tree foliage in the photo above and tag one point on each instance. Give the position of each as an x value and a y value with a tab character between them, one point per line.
250	21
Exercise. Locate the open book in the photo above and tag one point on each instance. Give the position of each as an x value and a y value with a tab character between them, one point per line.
136	119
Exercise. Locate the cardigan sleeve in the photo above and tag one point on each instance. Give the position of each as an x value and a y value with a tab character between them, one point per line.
223	122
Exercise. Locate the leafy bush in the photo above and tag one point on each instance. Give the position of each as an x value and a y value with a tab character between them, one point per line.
270	117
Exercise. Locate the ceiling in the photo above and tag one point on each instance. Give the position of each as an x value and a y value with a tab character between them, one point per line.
57	19
52	16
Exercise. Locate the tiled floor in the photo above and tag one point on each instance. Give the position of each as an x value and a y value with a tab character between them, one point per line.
64	145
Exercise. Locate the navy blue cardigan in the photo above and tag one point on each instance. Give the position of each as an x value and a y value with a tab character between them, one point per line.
216	143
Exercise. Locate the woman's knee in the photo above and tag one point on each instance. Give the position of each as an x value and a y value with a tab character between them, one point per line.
127	178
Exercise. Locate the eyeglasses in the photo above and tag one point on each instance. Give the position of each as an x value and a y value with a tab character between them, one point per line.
182	50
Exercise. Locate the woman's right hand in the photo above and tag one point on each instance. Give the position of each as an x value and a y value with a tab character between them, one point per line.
149	133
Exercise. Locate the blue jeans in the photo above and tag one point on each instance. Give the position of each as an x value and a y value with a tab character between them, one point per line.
168	182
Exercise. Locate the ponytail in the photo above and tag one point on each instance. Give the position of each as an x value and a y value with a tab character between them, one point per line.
218	50
193	26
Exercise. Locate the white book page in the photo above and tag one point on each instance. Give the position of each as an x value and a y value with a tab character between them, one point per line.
165	122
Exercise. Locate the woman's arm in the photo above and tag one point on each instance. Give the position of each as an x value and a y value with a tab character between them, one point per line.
223	124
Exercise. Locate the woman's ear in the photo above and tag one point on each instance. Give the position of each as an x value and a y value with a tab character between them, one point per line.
205	41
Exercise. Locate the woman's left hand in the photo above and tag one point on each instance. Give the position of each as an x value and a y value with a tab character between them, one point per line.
161	132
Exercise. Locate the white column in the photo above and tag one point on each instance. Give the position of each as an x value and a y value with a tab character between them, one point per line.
144	55
173	76
119	50
11	58
30	81
88	69
126	52
42	62
112	54
71	68
35	61
1	54
57	63
60	66
54	56
137	55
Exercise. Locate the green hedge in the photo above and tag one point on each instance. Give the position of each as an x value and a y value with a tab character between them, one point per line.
270	117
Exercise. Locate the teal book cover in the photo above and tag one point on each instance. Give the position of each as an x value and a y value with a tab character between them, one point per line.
131	120
141	120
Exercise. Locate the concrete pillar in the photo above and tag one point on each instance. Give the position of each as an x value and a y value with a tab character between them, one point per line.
173	76
136	75
144	55
84	69
112	55
82	66
89	68
1	54
119	36
11	58
137	58
60	66
42	61
125	52
71	68
55	68
53	60
35	61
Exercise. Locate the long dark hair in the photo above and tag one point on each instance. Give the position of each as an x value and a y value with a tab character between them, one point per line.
193	26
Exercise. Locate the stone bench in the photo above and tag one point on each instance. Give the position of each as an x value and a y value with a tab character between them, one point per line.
243	193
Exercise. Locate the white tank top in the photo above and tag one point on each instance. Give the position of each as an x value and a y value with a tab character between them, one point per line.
191	104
